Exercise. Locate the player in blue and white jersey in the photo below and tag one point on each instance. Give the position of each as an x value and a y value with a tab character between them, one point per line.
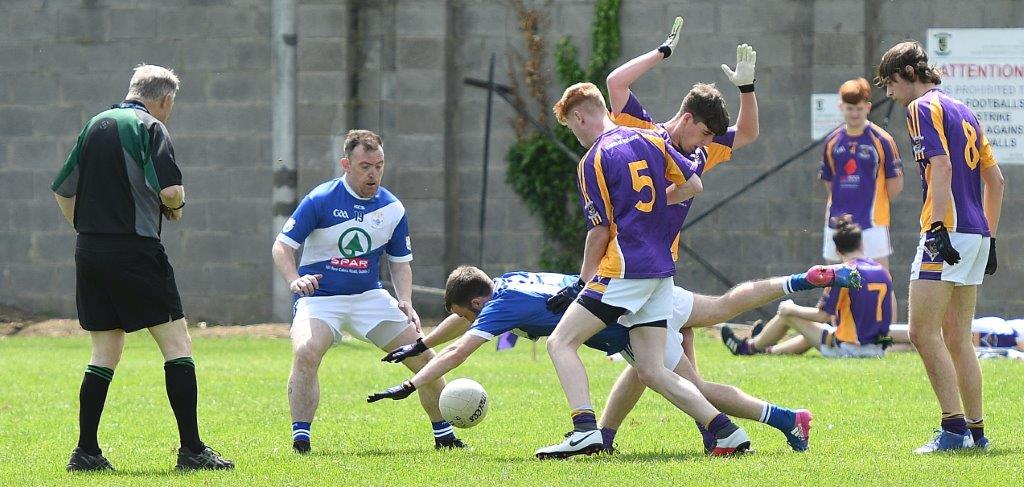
346	226
483	309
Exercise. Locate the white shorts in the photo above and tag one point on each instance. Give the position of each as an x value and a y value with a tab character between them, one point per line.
831	348
970	271
372	316
673	349
876	244
682	308
645	300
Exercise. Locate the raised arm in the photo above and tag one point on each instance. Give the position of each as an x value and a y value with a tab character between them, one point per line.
747	127
621	78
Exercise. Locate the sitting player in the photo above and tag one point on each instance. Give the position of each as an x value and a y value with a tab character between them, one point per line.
516	302
859	318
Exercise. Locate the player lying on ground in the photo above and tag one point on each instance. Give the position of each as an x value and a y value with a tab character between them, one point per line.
846	323
346	226
988	332
517	302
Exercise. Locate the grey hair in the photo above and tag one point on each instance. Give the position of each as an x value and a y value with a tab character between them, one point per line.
153	83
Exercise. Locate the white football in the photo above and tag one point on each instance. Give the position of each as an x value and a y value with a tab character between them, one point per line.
463	403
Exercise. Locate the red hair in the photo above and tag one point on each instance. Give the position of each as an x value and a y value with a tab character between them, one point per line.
855	91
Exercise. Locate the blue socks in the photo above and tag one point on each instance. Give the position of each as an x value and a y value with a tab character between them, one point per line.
778	417
954	423
300	431
796	283
443	431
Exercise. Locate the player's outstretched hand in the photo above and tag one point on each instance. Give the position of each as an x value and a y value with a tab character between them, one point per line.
558	303
669	45
400	391
937	242
405	351
306	285
743	76
990	267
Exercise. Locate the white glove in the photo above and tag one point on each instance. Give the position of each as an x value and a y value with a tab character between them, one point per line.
673	38
746	56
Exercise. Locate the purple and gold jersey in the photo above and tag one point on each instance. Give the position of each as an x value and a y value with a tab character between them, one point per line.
943	126
861	316
704	157
622	181
856	167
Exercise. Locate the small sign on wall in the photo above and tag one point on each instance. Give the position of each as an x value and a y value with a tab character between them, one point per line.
825	114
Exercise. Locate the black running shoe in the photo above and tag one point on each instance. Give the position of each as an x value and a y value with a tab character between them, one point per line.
735	344
757	329
300	446
83	462
208	459
449	445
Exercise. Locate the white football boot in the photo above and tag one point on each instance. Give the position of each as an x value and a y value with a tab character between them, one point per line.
576	443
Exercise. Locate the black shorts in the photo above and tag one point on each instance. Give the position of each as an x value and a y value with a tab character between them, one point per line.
124	282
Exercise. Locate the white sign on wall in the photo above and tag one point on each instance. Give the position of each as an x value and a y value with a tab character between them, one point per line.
825	114
984	68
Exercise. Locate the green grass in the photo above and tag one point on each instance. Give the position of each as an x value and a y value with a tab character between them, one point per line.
869	415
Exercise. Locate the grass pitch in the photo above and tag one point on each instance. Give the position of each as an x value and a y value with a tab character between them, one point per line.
869	416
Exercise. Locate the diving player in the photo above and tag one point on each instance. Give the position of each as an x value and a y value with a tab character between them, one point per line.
516	302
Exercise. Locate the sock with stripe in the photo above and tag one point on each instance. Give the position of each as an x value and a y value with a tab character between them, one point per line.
778	417
977	428
443	431
607	438
183	394
91	398
584	419
796	283
954	423
300	431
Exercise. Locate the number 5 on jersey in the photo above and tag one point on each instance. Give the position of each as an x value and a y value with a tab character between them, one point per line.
640	182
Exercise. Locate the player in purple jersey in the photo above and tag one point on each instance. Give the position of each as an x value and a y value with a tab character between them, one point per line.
862	172
700	129
627	181
847	322
346	227
959	221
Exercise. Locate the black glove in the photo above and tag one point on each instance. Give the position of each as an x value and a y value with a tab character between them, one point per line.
937	242
990	268
558	303
405	351
400	391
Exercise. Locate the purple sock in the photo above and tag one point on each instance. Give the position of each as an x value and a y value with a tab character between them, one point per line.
977	428
706	437
722	426
955	424
584	420
607	437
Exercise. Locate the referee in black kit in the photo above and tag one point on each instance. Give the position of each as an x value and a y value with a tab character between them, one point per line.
115	186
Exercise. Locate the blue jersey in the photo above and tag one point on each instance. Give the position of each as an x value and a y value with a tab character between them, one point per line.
344	237
519	305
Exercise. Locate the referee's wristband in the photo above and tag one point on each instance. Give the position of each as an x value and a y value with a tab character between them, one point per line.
746	88
178	208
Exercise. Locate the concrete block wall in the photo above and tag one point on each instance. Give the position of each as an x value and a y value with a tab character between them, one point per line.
397	67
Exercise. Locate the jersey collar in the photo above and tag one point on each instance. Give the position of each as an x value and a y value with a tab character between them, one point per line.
356	195
138	105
